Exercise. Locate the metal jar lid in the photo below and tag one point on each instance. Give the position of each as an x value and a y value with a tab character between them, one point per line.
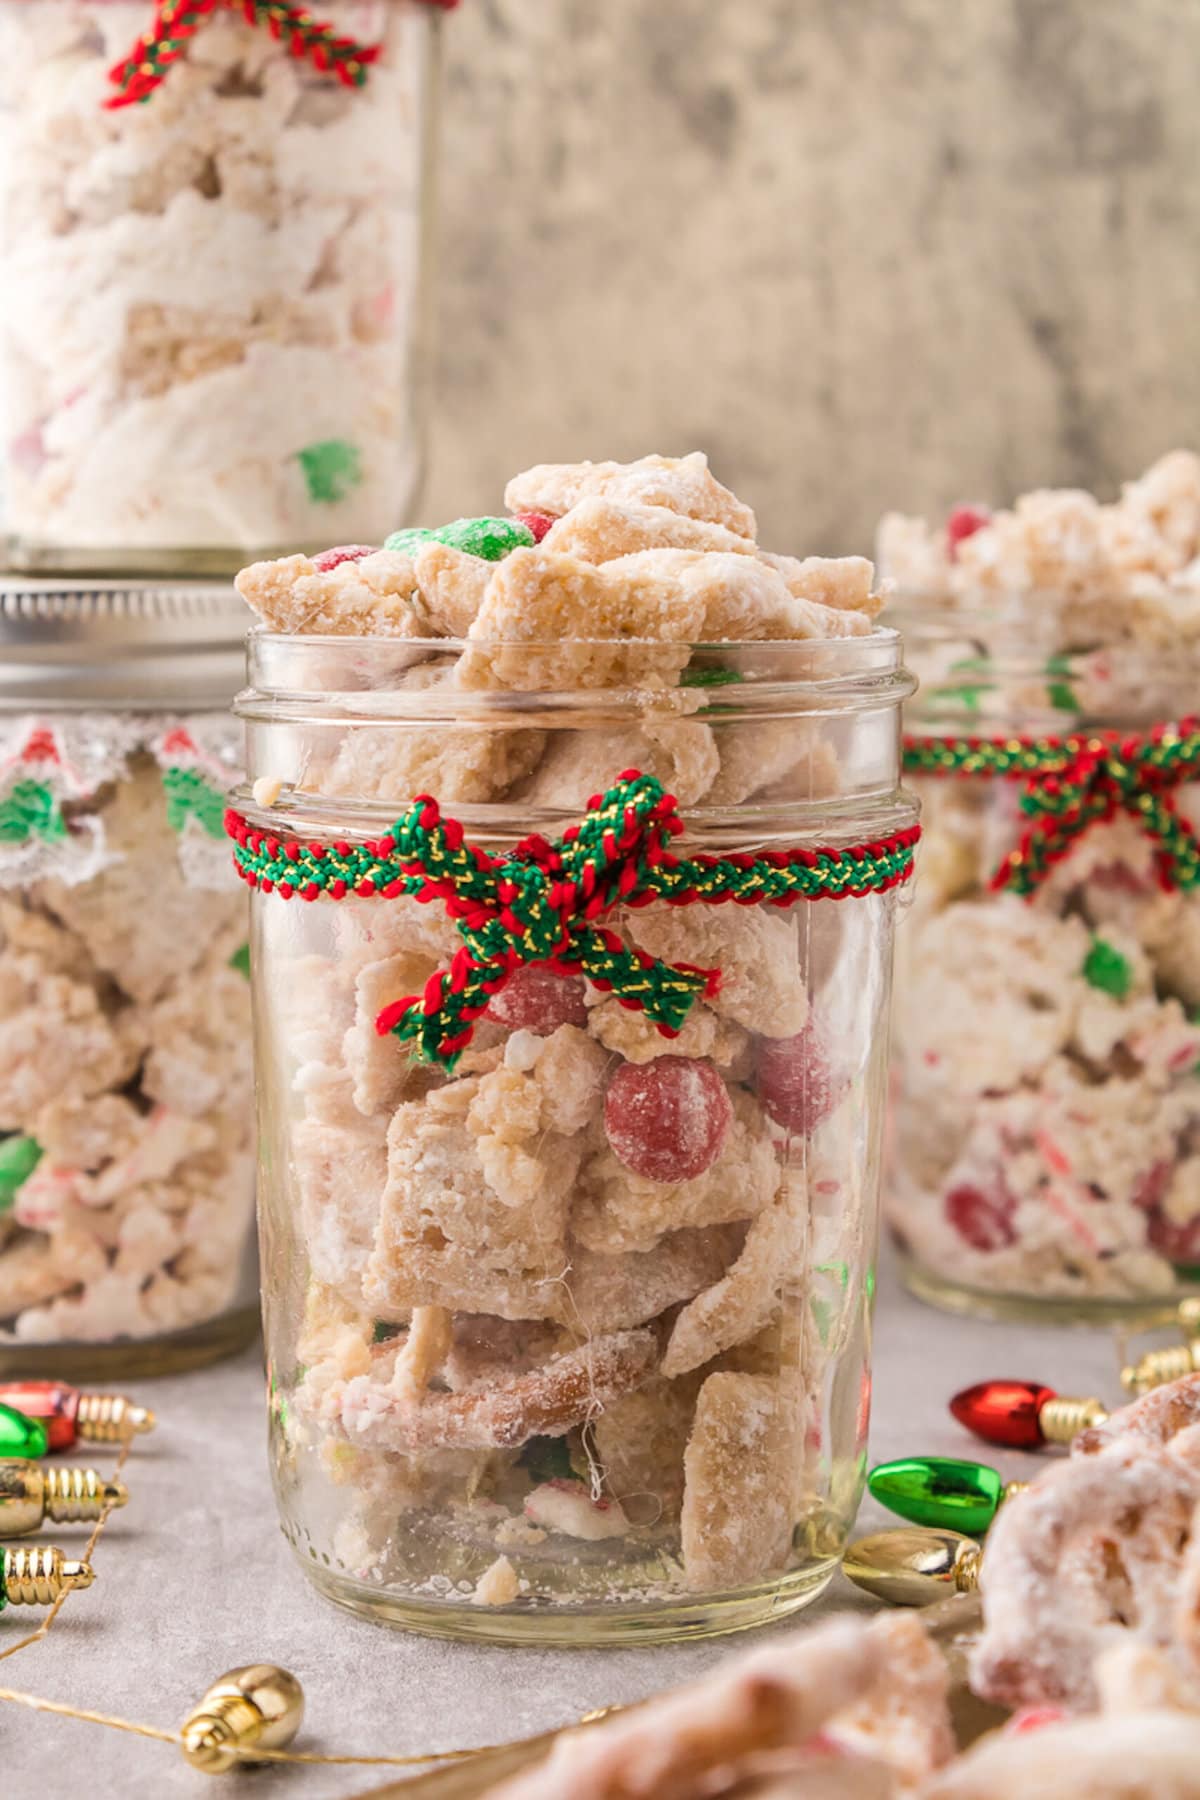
136	646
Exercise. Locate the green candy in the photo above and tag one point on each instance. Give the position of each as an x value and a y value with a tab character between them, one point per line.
1105	968
409	541
489	539
20	1436
331	469
240	960
19	1157
939	1491
547	1459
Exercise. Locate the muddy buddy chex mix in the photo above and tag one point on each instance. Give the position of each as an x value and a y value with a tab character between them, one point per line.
577	1107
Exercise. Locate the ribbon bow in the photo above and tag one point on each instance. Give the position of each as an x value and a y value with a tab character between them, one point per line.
1076	782
544	903
176	22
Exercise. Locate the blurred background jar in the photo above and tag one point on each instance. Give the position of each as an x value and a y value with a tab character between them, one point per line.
212	255
126	1159
1046	1154
570	1341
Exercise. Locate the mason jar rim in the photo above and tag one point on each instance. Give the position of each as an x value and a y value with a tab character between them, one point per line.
306	677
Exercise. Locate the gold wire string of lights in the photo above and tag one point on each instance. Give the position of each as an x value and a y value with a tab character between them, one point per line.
248	1714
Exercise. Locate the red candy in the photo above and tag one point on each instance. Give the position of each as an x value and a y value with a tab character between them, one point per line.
332	559
667	1119
984	1220
535	998
1032	1718
1178	1243
1151	1189
964	522
795	1082
538	523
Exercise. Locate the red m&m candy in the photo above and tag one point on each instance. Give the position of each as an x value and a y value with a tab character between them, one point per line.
795	1082
538	523
342	553
667	1119
963	523
983	1220
535	998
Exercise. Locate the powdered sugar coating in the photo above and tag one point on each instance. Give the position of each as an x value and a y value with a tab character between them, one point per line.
684	485
593	1286
124	1049
213	295
668	1119
1083	573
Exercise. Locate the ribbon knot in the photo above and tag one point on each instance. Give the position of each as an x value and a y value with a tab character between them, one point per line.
546	901
542	904
1077	782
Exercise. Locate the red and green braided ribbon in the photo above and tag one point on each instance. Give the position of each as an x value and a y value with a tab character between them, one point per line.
176	23
545	902
1073	783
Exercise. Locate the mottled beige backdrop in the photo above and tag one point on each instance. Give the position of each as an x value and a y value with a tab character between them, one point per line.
864	252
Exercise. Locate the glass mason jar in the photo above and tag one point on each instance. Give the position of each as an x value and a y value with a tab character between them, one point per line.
1047	1032
126	1168
569	1342
210	301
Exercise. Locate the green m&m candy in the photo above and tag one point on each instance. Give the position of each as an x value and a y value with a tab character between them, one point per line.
19	1157
490	539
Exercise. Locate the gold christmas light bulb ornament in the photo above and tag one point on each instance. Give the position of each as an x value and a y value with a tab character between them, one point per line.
1189	1316
111	1418
914	1565
1158	1367
40	1576
32	1492
260	1706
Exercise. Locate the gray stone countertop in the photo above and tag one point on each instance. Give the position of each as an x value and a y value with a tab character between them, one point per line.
194	1578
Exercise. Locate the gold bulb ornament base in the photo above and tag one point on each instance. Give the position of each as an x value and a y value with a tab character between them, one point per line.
31	1493
257	1707
42	1576
1158	1367
110	1418
1063	1418
914	1565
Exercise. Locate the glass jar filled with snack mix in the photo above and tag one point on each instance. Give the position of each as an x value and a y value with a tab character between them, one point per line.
1047	1033
126	1164
575	842
211	255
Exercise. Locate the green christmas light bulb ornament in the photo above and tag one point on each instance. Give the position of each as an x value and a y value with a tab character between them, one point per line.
20	1436
942	1492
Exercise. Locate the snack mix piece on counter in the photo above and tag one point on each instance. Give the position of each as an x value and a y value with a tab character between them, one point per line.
210	298
126	1177
1089	1587
1048	996
577	1290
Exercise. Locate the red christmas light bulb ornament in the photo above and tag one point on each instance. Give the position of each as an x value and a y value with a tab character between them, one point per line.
68	1414
1024	1415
